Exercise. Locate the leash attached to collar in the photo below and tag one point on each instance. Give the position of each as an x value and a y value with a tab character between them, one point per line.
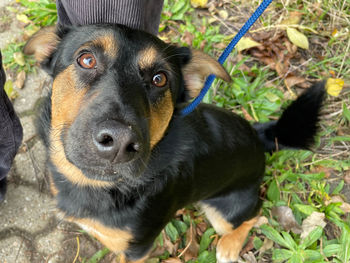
258	12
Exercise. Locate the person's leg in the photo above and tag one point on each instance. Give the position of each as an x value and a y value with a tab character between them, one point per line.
138	14
10	133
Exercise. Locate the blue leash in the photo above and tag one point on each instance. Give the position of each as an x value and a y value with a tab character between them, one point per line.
258	12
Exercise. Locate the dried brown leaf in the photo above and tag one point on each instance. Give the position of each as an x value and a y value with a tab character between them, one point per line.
246	114
248	246
172	260
286	219
192	246
187	38
168	245
311	222
249	257
337	199
21	77
268	244
347	177
294	80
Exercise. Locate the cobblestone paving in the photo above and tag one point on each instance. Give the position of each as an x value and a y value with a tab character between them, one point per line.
29	229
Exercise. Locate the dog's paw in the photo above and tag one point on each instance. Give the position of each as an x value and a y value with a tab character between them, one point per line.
228	248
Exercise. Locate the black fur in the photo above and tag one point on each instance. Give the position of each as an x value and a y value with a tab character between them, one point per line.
211	155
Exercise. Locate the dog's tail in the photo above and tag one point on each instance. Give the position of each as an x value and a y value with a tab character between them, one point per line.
297	126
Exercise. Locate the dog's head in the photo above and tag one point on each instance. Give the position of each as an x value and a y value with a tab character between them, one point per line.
114	93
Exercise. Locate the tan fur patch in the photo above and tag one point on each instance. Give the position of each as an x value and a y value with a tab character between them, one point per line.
123	259
42	43
147	57
199	68
108	44
230	244
160	117
219	223
67	99
117	240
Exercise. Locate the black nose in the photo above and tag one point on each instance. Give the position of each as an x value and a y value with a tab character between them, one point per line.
115	141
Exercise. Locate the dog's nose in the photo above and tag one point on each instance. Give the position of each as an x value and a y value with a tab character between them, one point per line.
116	141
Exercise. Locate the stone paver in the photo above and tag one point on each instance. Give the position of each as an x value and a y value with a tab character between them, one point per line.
29	230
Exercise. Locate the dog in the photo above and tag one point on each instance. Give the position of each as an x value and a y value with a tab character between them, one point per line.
122	158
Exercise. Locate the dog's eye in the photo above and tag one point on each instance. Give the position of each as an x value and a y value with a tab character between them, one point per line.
159	79
87	61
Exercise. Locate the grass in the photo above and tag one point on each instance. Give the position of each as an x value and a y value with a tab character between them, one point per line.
302	181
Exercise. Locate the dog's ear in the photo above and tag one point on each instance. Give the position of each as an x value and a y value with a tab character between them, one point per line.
197	67
43	45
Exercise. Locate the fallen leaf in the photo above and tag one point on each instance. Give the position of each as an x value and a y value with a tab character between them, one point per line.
19	58
311	222
322	169
293	18
261	221
293	80
347	177
337	199
246	43
297	38
168	245
246	114
249	257
223	14
172	260
8	87
23	18
286	219
21	77
199	3
334	86
268	244
248	246
187	38
192	246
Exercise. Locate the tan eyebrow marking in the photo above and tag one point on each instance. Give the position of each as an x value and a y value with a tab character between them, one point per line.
147	57
108	43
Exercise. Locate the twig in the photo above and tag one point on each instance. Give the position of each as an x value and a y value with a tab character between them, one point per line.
189	243
78	250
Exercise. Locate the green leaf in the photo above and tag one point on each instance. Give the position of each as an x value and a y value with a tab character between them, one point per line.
207	257
288	238
171	231
180	226
340	138
312	254
273	193
206	239
98	256
257	243
297	38
306	209
338	188
346	112
331	250
272	234
296	258
312	237
280	255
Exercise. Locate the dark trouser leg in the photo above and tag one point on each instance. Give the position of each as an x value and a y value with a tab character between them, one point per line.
138	14
10	133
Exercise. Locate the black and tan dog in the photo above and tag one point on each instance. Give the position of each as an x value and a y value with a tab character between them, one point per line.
122	158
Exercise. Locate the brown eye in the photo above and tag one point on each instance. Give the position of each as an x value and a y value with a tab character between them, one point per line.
159	79
87	61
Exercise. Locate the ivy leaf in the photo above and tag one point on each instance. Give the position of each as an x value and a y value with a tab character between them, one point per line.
297	38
